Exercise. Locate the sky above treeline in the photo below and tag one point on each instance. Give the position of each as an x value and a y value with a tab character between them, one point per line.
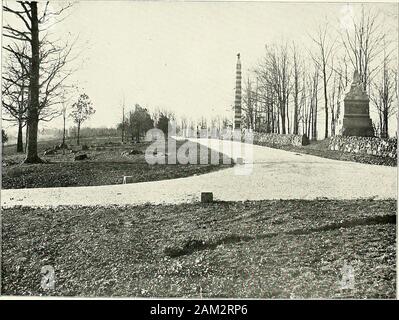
181	56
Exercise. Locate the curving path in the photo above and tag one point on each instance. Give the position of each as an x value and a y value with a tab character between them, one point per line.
269	174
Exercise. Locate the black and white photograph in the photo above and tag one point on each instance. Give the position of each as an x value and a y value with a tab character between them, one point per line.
199	150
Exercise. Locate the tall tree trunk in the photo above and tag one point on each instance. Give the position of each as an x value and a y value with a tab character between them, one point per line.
385	123
311	120
33	109
78	142
295	120
332	121
296	94
123	122
63	132
288	119
282	113
20	144
325	102
26	135
315	102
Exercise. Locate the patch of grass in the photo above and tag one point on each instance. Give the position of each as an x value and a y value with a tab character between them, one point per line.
267	249
320	149
106	165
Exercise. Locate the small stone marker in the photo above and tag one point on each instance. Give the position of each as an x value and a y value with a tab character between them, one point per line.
240	160
206	197
127	179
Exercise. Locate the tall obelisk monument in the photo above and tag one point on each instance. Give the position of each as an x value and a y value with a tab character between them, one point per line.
237	102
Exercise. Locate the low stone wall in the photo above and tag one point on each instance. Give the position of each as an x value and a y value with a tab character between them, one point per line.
280	139
374	146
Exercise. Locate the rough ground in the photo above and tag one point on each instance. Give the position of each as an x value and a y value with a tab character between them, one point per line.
268	174
267	249
105	166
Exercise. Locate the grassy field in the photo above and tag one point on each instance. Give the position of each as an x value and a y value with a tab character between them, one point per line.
320	149
267	249
105	165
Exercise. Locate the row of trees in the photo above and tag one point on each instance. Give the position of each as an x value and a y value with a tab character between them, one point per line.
293	87
137	122
290	86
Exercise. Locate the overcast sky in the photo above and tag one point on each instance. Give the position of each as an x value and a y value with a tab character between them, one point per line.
180	56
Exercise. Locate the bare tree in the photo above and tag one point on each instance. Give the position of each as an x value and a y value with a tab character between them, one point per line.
45	61
324	61
64	116
310	104
337	90
362	43
273	74
296	88
249	103
15	93
385	88
81	111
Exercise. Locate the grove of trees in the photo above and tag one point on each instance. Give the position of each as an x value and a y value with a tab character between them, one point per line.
138	121
293	87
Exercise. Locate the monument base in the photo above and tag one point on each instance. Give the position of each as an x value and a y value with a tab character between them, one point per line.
357	126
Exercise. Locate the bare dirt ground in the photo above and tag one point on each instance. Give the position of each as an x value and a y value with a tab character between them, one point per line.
107	163
264	249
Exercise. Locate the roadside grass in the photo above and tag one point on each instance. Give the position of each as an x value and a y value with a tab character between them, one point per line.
105	166
319	148
258	249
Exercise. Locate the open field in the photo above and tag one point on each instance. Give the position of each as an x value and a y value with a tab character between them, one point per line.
269	249
105	166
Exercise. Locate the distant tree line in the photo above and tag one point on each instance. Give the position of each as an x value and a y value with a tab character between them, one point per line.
136	122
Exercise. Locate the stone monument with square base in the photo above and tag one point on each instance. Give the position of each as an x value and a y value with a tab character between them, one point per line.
357	121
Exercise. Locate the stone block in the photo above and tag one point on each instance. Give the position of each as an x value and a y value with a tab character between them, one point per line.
206	197
127	179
